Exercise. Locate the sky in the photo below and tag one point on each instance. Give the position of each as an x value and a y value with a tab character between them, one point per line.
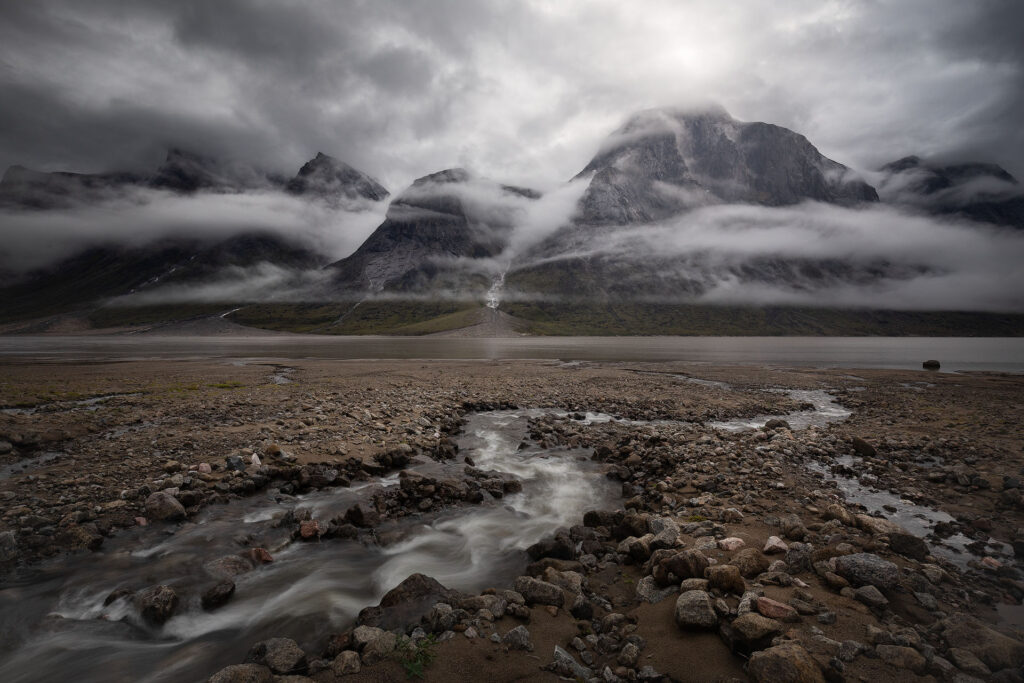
520	90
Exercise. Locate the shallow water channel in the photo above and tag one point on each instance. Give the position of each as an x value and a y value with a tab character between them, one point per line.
54	626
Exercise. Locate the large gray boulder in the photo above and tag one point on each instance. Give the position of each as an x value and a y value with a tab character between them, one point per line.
537	592
164	507
280	655
866	569
695	610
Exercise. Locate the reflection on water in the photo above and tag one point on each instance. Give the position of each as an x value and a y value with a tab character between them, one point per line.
956	353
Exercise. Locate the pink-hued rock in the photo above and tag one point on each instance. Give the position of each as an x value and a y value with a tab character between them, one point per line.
260	556
309	529
775	609
204	468
774	544
731	543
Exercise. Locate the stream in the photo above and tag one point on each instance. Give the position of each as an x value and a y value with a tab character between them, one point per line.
54	621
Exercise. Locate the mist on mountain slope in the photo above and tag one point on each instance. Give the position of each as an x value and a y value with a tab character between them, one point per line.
891	257
140	216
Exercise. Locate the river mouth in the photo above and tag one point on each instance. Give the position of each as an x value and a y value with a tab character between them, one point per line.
54	621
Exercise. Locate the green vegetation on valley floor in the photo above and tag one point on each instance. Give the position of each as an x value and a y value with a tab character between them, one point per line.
396	317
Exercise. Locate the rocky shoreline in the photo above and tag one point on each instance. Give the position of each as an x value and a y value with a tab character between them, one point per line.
731	555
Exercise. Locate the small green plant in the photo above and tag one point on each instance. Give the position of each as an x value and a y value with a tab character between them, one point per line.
226	385
695	518
416	656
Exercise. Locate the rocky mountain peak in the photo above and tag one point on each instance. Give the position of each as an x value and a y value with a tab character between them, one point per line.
662	162
334	181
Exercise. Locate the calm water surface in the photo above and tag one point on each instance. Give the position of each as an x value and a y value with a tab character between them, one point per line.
955	353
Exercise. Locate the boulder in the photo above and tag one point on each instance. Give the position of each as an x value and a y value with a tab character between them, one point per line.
380	648
863	448
243	673
564	664
405	604
228	567
878	526
866	569
793	527
647	590
773	609
871	596
784	663
537	592
157	604
441	618
218	594
996	650
687	564
730	544
347	662
752	629
750	562
280	655
164	507
908	545
726	578
902	657
695	610
518	639
838	512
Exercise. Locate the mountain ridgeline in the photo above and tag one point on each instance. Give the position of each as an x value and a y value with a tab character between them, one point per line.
453	236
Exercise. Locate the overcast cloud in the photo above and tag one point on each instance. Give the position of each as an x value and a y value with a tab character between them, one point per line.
521	91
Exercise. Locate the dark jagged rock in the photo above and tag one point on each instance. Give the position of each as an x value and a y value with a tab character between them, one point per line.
407	602
157	604
334	181
445	215
977	191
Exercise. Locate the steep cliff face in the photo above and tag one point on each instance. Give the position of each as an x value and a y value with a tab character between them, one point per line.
665	161
663	165
433	234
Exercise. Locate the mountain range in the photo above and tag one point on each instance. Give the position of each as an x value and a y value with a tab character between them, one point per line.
455	236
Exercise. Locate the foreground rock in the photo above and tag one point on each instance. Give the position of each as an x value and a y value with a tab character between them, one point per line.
694	610
785	663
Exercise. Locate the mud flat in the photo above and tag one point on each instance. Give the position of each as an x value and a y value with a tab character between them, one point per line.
253	519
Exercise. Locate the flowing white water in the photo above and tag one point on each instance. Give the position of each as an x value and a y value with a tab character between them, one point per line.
54	626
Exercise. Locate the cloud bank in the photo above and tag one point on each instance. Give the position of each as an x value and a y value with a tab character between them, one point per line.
518	90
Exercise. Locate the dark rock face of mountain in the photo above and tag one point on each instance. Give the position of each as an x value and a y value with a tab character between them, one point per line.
663	162
440	219
327	178
188	172
103	270
109	270
978	191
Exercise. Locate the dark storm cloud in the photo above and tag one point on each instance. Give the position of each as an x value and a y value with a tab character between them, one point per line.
522	91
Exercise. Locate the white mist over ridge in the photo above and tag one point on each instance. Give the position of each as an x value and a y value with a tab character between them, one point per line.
141	216
922	262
